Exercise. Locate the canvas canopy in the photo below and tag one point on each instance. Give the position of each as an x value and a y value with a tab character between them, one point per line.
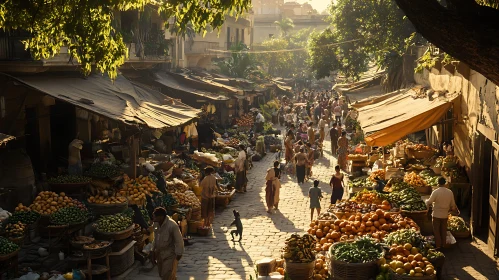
169	81
120	100
374	98
391	119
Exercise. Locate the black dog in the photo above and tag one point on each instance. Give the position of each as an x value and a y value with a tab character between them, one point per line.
239	226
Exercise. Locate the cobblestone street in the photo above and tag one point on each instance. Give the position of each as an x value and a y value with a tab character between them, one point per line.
217	257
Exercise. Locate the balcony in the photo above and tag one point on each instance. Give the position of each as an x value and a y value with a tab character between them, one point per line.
203	48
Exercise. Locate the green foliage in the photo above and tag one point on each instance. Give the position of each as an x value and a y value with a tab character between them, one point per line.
430	58
323	57
285	25
85	26
380	27
240	64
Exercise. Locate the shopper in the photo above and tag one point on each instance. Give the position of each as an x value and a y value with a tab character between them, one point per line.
442	200
240	178
337	184
208	195
273	185
315	195
310	160
168	245
288	146
311	132
300	161
322	129
333	133
337	113
343	150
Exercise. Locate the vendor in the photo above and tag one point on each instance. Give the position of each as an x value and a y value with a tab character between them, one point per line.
74	159
103	157
259	121
380	185
208	195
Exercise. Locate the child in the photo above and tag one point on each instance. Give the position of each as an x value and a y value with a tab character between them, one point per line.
315	195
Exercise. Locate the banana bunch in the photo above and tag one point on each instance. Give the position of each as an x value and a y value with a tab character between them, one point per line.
300	248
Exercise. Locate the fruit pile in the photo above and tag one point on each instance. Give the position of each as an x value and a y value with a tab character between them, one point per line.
407	260
321	271
233	142
70	179
188	198
398	185
377	224
245	120
299	248
112	199
361	182
456	224
69	216
355	207
408	199
327	216
137	190
15	230
380	173
113	223
168	200
103	170
366	196
176	185
21	207
26	217
7	246
47	202
431	180
414	180
419	147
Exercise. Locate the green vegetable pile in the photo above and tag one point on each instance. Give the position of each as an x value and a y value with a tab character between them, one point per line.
229	179
362	250
70	179
431	179
69	216
6	246
114	223
102	170
398	185
408	199
404	236
433	254
145	215
25	217
168	200
361	182
456	224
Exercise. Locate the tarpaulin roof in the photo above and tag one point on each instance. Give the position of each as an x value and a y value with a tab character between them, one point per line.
170	81
374	98
391	119
120	100
4	138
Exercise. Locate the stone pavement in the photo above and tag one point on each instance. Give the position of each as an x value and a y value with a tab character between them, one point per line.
217	257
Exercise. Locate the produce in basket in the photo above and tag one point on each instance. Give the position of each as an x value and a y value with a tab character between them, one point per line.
70	179
397	185
229	179
456	224
355	207
245	120
113	223
361	182
431	180
112	199
168	200
362	250
326	216
419	147
366	196
380	173
21	207
414	180
96	245
24	216
7	246
187	199
405	236
69	216
407	260
233	142
176	185
299	248
408	199
47	202
321	271
137	190
103	170
15	230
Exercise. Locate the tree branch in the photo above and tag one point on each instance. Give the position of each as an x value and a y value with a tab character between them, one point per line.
471	39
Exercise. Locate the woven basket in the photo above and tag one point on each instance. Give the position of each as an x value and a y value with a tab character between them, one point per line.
8	256
120	235
461	234
97	252
341	270
299	271
79	244
395	276
107	209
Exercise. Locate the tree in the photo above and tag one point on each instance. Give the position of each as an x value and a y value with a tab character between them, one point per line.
465	29
85	26
240	64
322	53
375	31
285	25
276	63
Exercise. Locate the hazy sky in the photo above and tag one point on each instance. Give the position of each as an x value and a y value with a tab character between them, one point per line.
319	5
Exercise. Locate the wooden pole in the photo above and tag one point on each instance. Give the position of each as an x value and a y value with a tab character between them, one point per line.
135	146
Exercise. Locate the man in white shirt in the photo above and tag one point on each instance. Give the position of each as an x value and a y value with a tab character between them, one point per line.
442	200
259	120
337	113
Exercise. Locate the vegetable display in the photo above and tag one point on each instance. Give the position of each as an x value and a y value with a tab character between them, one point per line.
408	200
414	180
380	173
299	248
168	200
47	202
404	236
176	185
419	147
26	217
229	179
15	230
137	190
362	250
407	260
113	223
361	182
398	185
245	120
355	207
103	170
366	196
21	207
69	216
7	246
188	198
431	180
70	179
116	198
456	224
